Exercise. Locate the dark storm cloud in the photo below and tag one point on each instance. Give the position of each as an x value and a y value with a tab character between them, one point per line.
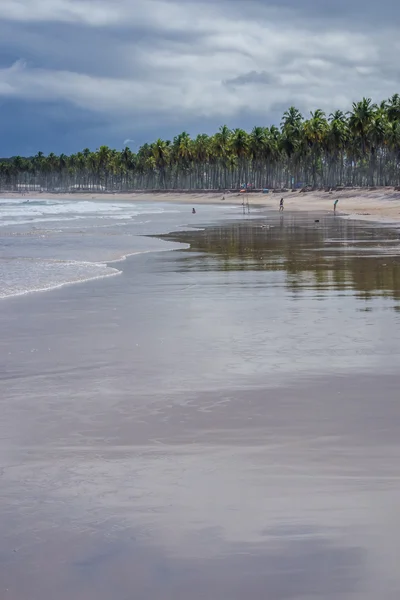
144	67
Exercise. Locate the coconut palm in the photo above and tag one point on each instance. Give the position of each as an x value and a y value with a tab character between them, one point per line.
362	147
376	141
160	152
220	144
291	138
360	120
258	153
315	134
240	145
393	108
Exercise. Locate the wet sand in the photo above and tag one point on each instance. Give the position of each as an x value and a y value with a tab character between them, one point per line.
219	422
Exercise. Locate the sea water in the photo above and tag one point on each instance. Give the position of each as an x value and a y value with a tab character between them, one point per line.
46	244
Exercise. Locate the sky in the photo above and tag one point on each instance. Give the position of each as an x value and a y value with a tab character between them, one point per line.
83	73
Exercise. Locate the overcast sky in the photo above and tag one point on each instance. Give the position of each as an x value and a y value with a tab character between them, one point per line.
81	73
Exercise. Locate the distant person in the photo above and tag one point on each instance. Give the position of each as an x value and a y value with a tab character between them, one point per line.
193	211
281	205
335	205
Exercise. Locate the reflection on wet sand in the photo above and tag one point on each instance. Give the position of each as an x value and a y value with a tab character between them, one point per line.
219	422
307	563
332	253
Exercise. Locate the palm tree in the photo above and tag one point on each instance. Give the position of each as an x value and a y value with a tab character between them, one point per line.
275	147
184	146
103	163
160	151
201	156
393	108
292	133
315	132
336	140
240	145
392	172
221	144
18	166
376	140
258	152
360	119
361	147
292	119
128	163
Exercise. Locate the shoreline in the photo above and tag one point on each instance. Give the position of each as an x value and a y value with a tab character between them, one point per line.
381	205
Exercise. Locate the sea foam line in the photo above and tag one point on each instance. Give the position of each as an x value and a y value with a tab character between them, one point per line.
125	256
90	278
55	286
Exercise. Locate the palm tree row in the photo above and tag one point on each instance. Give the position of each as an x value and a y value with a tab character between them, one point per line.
358	148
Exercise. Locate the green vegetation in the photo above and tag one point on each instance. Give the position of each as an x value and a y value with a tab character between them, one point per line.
360	148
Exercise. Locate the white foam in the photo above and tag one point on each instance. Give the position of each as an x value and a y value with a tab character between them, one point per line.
40	242
32	275
22	212
174	246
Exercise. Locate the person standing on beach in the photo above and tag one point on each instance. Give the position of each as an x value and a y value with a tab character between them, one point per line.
335	205
281	205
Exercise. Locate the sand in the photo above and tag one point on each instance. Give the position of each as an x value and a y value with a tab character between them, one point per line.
216	423
380	204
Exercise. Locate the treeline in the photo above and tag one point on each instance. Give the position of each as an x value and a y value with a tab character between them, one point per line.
358	148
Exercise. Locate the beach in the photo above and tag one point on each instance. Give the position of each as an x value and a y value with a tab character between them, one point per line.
217	419
379	204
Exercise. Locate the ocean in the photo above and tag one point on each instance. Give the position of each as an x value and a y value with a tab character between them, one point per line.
214	416
50	243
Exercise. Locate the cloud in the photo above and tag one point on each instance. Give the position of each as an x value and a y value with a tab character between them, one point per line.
92	13
253	77
157	64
